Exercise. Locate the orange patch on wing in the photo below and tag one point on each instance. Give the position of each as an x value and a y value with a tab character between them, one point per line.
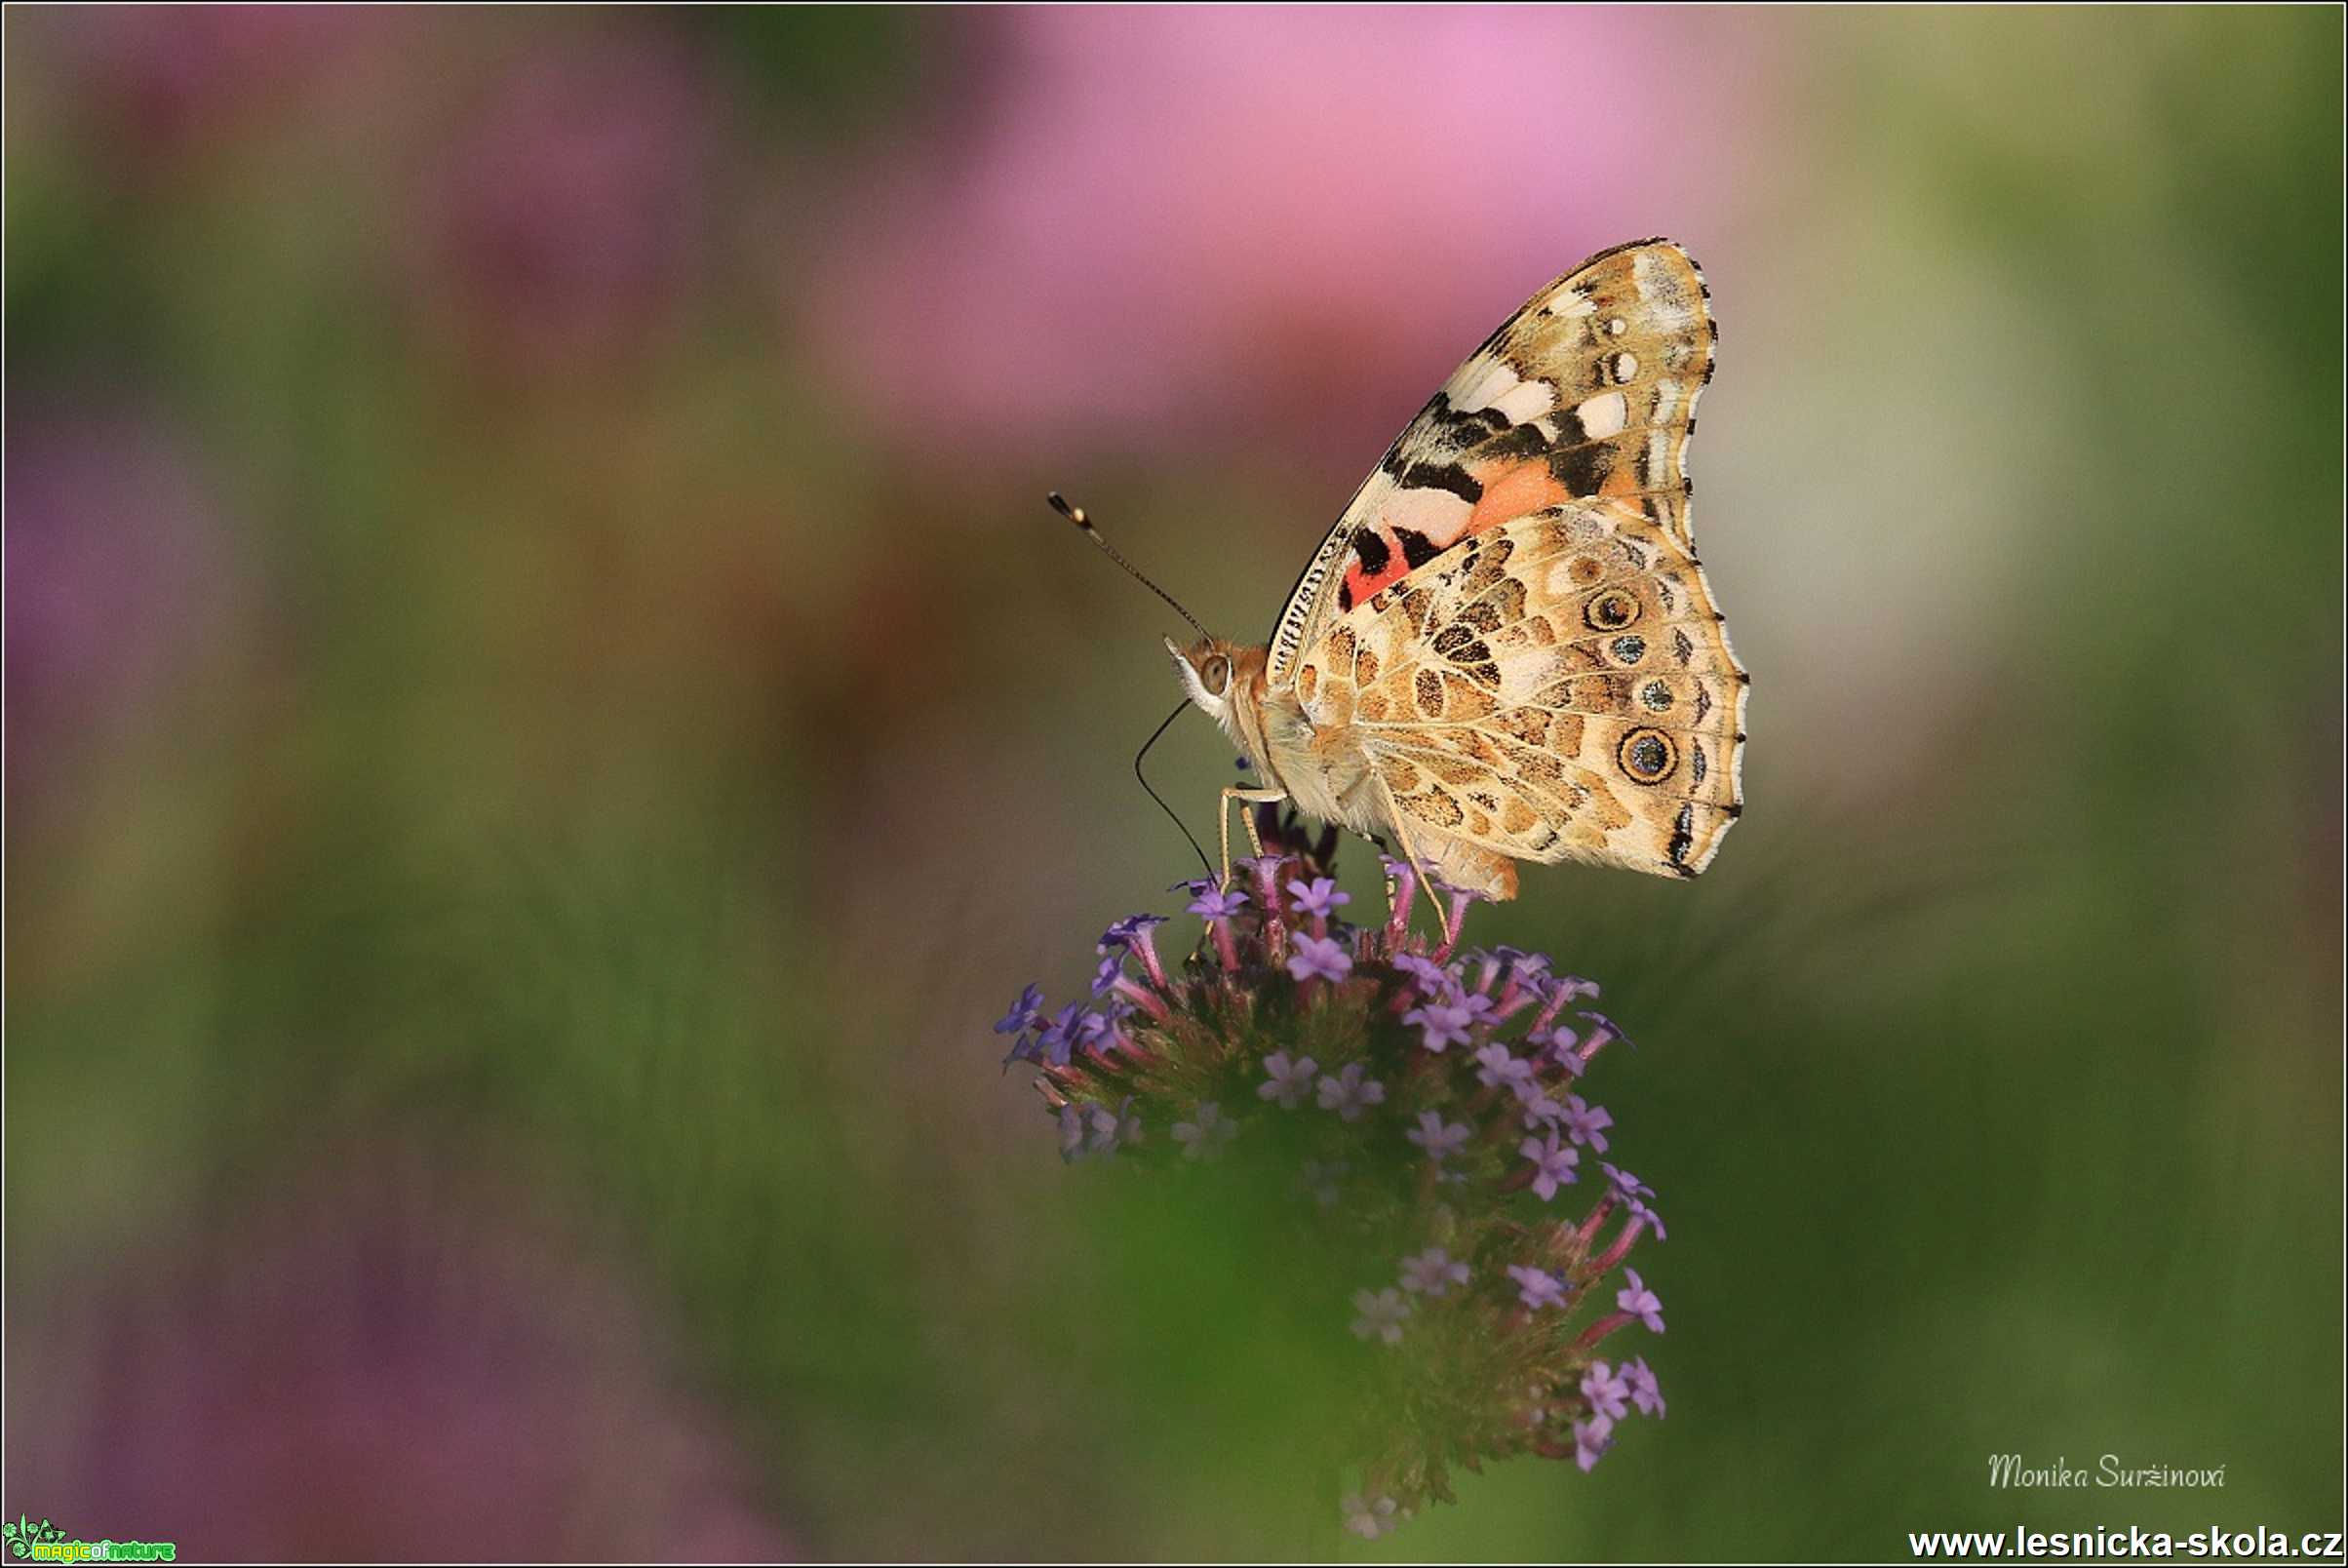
1360	582
1516	490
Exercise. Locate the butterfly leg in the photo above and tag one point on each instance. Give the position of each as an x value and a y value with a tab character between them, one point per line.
1410	852
1247	820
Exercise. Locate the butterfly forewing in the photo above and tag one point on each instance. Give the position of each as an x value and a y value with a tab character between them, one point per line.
1587	391
1510	622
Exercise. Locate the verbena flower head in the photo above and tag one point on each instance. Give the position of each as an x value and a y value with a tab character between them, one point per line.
1422	1113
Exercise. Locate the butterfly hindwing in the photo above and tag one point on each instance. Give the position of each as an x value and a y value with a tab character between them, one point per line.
1587	391
1558	688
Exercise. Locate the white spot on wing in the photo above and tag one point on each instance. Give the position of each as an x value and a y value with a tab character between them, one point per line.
1479	384
1663	290
1569	301
1526	400
1604	415
1388	639
1436	513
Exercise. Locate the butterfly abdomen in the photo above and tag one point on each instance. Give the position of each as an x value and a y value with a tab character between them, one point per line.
1318	760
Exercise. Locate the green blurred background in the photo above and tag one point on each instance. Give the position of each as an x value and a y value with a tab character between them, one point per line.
546	716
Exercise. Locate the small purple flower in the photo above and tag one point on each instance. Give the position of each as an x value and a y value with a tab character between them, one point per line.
1568	987
1053	1043
1204	1138
1112	1130
1645	1392
1427	976
1480	1009
1433	1272
1558	1045
1072	1133
1592	1439
1440	1140
1498	1065
1127	931
1585	1124
1553	1160
1026	1014
1556	1041
1529	970
1537	1287
1320	957
1215	904
1265	869
1367	1518
1318	900
1626	1186
1608	1394
1348	1093
1286	1080
1074	1029
1598	1037
1441	1022
1640	1301
1322	1179
1540	1110
1634	1195
1381	1314
1108	973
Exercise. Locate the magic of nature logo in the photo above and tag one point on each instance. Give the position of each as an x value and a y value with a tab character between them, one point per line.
43	1541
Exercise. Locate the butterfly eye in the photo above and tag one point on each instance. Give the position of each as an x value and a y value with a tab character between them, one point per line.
1215	674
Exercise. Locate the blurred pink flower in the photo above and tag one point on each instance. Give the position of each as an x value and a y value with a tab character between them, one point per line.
1284	223
118	561
565	219
377	1374
157	80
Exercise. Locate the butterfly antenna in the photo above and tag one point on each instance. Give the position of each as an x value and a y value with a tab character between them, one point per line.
1204	864
1075	515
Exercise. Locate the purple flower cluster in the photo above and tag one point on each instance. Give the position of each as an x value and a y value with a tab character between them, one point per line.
1611	1394
1423	1096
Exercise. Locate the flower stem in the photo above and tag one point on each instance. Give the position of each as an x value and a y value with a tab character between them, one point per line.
1402	889
1597	1217
1452	925
1600	1329
1620	1249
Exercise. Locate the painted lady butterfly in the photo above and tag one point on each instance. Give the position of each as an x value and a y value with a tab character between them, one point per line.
1505	650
